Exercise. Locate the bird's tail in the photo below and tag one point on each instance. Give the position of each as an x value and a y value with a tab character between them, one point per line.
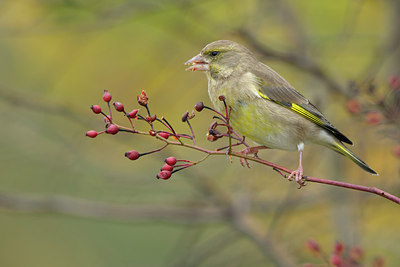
341	149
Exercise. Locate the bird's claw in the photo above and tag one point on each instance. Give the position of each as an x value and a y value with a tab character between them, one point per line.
244	162
245	152
298	177
250	150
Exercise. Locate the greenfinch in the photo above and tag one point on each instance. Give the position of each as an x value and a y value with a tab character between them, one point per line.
264	106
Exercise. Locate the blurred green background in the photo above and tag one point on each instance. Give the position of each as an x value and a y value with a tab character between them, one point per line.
67	200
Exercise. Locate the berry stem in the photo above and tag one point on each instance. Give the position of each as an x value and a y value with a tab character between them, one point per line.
109	110
191	129
148	110
213	110
154	151
172	129
130	121
108	117
163	123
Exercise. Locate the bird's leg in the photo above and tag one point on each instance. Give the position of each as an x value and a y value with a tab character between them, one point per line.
250	150
298	174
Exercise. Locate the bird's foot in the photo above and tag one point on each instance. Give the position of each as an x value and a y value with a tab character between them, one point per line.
298	177
249	150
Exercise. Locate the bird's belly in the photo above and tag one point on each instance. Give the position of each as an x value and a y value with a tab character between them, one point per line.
266	127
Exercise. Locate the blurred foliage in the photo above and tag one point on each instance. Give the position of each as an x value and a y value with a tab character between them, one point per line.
57	57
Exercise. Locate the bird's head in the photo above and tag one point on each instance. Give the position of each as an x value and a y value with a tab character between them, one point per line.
221	59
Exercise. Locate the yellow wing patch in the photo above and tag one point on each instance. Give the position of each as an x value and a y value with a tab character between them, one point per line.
305	113
298	109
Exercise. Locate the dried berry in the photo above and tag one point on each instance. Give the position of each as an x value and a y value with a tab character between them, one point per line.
96	109
133	114
171	161
91	134
211	138
165	175
313	246
167	167
112	129
151	119
118	106
221	98
142	99
107	96
199	106
185	116
132	155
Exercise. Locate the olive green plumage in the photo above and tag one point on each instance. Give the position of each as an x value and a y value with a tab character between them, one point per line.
265	107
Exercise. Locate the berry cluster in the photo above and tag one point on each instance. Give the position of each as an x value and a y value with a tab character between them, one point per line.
378	106
172	164
339	257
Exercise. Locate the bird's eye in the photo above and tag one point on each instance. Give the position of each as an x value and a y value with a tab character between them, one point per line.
214	53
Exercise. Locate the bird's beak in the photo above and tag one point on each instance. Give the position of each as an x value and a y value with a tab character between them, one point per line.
198	62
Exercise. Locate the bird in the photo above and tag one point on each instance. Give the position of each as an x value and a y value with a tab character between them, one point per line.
264	106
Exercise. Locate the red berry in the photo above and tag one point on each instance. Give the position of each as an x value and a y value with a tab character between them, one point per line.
167	167
353	106
396	151
336	260
165	175
394	82
199	106
164	135
91	134
132	155
118	106
96	109
133	114
313	246
171	161
112	129
373	118
107	96
221	98
152	133
338	247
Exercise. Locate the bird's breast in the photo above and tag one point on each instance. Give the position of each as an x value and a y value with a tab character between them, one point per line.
263	123
261	120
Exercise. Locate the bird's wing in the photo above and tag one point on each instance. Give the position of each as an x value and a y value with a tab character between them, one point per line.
282	93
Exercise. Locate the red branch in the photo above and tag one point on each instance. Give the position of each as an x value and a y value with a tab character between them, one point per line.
281	169
368	189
